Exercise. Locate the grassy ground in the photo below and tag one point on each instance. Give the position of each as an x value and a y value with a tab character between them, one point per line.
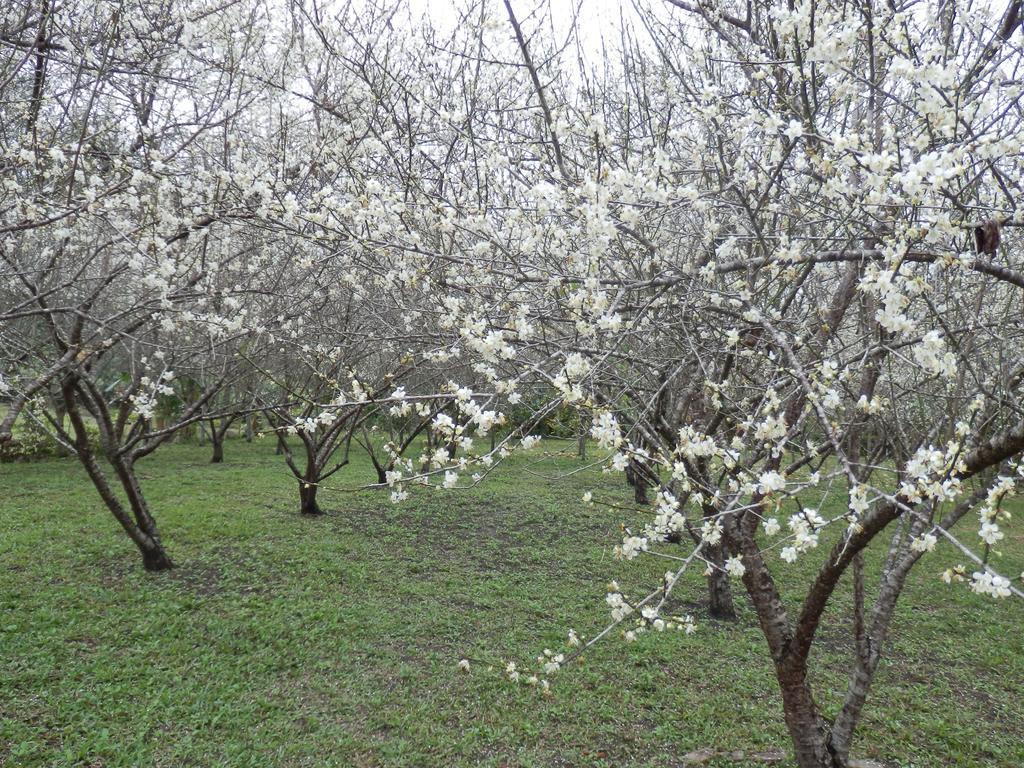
282	641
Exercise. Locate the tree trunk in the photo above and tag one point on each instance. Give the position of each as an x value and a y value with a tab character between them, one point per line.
720	603
142	529
307	499
250	427
156	558
636	476
807	730
218	448
144	533
60	416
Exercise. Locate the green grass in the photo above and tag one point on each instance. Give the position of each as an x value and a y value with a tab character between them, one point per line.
282	641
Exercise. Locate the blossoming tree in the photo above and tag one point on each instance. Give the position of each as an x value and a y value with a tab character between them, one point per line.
770	250
782	276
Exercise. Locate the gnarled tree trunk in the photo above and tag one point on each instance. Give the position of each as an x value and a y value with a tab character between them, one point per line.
139	523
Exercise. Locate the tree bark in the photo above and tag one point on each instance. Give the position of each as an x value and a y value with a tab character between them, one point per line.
807	730
720	602
218	448
142	530
156	559
636	476
307	500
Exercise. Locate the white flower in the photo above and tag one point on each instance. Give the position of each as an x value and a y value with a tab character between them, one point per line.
788	554
464	665
931	355
734	567
631	546
987	583
858	501
990	533
771	526
576	366
924	543
711	532
771	481
605	430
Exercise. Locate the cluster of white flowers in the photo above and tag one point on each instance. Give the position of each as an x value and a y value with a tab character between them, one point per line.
668	518
933	474
711	531
568	379
988	583
619	607
872	406
932	355
891	292
804	526
491	345
145	399
924	543
650	619
992	511
631	546
770	429
605	430
770	482
691	444
402	407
